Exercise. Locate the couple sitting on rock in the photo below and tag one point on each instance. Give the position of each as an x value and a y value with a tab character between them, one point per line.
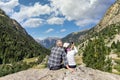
62	54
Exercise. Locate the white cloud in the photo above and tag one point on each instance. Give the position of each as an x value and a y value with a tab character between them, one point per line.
26	13
31	11
62	30
49	30
33	22
82	12
55	20
86	22
9	5
80	9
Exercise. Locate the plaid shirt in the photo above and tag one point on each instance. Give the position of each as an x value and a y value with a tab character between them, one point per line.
57	56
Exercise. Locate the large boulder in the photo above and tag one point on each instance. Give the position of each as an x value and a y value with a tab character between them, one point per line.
81	73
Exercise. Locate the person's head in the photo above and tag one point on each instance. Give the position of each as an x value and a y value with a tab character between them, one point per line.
59	43
65	45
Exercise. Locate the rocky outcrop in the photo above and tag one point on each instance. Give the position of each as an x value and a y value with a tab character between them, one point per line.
81	73
112	16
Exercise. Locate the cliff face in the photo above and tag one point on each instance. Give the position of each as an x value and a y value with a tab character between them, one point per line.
81	73
112	16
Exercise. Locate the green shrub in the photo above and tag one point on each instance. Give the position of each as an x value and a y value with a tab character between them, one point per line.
94	55
117	67
117	61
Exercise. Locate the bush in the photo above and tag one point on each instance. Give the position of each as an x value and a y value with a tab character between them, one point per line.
94	55
117	61
117	67
6	69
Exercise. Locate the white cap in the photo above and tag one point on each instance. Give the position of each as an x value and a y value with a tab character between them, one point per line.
66	45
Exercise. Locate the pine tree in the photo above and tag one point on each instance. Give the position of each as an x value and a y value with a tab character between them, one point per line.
94	55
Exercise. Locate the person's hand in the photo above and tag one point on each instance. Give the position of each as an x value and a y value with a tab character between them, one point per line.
72	70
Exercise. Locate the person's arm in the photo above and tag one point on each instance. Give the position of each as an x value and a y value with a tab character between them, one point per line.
71	69
75	49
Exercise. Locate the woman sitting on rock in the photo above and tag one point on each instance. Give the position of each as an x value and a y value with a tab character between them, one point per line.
71	50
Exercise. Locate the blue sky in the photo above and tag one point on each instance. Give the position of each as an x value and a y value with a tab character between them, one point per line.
55	18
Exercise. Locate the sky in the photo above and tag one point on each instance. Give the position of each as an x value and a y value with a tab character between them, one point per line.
55	18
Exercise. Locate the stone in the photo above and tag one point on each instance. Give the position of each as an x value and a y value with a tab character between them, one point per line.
81	73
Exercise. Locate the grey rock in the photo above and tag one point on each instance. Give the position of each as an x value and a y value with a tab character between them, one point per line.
81	73
112	16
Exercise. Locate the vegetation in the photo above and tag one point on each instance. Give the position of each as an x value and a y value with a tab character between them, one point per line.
12	68
74	37
117	61
116	47
94	55
15	45
95	52
117	67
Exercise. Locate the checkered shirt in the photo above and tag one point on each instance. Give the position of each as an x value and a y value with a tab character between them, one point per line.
57	56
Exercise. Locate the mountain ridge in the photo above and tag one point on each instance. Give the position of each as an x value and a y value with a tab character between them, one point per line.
99	43
16	45
48	42
112	16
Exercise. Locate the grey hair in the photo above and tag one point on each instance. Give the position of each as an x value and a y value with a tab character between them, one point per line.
58	42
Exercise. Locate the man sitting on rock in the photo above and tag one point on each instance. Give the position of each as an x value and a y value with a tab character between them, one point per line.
58	56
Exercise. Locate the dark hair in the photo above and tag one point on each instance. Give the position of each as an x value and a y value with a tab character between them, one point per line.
66	50
72	42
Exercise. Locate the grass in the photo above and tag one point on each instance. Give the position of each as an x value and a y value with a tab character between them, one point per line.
117	67
29	60
117	73
40	66
117	61
78	60
36	66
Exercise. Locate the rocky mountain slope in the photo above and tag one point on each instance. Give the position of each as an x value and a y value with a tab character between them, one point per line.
101	42
75	36
48	42
81	73
104	40
112	16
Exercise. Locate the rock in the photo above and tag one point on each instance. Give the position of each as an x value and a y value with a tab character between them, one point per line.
81	73
112	16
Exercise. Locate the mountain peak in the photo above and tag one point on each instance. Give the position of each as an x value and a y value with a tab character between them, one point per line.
112	16
48	42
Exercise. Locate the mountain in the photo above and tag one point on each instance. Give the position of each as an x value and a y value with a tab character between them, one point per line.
100	45
112	16
15	45
81	73
48	42
75	36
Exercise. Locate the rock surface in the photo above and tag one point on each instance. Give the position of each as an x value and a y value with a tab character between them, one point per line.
81	73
